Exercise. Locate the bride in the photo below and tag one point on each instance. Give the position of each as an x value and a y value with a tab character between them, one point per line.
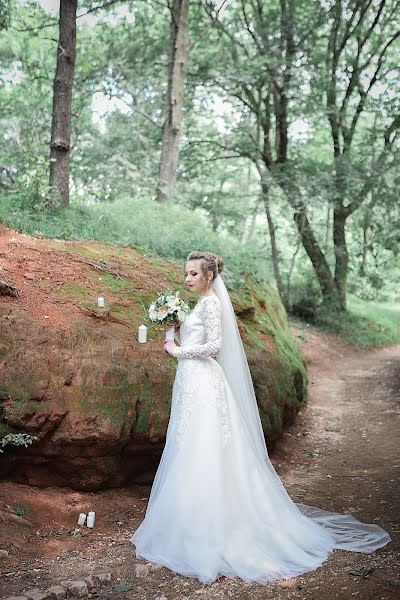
217	506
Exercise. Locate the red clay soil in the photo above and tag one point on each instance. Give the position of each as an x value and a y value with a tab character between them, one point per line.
342	454
31	258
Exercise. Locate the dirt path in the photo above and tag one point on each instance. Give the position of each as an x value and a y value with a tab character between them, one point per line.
342	454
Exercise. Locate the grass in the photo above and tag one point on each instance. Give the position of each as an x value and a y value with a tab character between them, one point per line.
366	324
159	230
169	231
385	316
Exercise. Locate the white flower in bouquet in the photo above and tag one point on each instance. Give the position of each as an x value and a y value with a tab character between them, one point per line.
162	313
173	302
152	312
168	309
181	315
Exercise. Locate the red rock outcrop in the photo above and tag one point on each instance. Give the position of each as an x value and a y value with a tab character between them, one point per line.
76	377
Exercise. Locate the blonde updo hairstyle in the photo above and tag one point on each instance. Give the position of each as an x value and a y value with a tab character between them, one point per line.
209	262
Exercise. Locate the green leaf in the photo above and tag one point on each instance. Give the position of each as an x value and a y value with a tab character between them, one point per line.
124	586
361	572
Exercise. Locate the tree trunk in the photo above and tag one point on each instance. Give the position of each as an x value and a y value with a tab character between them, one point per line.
366	228
327	229
274	247
62	98
364	257
341	255
318	260
179	54
289	275
310	243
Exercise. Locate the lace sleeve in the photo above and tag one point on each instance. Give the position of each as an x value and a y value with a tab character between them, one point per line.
211	317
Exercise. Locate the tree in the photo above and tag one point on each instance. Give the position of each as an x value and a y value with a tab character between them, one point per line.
179	53
62	99
5	13
342	49
262	76
257	72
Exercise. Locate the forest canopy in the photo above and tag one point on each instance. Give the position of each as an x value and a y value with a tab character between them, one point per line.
267	130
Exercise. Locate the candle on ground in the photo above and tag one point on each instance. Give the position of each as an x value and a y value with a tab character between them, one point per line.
100	302
90	519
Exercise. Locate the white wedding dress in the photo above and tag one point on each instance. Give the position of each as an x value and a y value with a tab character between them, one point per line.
215	507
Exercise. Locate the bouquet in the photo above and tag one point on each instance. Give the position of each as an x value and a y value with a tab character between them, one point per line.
169	309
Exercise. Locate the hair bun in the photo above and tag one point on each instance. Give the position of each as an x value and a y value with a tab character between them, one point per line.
219	262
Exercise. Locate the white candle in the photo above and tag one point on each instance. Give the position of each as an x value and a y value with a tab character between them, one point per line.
170	334
100	302
90	519
142	337
81	519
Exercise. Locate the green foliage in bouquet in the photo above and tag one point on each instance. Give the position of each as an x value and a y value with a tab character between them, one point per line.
169	309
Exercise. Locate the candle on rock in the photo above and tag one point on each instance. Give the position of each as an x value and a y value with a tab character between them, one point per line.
142	337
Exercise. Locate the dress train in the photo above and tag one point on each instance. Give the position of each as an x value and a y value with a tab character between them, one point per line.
216	508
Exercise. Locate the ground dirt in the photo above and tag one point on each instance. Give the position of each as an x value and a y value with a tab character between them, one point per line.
342	454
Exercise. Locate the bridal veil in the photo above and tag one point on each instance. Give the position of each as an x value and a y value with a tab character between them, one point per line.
348	532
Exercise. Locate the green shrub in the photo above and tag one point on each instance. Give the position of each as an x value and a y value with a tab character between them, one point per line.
17	439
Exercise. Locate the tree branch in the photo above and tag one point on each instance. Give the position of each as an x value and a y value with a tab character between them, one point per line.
364	93
376	168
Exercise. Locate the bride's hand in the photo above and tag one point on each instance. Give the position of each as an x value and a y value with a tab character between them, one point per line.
169	346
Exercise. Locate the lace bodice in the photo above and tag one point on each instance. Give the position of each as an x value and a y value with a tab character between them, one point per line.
201	331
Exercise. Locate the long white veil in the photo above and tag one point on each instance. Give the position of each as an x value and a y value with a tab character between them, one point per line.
348	532
233	361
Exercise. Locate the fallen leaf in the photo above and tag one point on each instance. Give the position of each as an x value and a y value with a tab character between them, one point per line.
124	586
361	572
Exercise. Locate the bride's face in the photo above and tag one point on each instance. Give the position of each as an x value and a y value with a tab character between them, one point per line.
194	276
